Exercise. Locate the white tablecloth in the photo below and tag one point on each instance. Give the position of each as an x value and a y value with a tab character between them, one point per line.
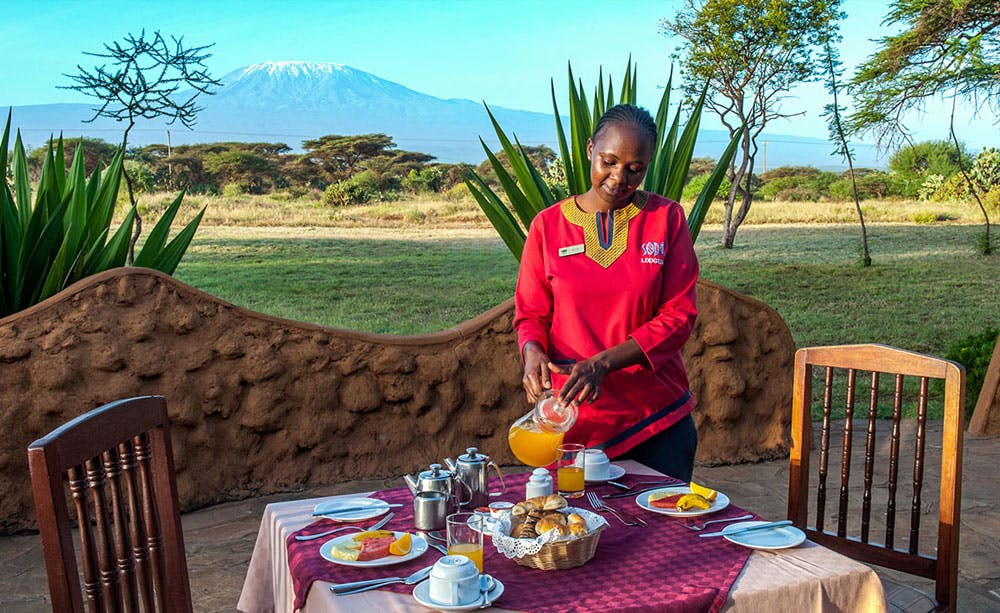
801	579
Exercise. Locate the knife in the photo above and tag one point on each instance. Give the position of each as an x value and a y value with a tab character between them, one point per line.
773	524
370	507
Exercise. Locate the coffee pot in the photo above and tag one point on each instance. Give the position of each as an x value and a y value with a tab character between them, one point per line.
472	469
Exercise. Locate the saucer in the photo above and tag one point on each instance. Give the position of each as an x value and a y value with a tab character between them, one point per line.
422	595
614	472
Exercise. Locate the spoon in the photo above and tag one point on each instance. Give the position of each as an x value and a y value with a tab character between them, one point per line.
486	584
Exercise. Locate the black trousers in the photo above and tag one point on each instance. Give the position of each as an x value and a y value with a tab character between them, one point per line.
671	452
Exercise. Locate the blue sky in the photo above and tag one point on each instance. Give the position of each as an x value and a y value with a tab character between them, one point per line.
502	51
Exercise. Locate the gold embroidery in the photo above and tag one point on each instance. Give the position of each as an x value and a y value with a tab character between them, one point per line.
591	234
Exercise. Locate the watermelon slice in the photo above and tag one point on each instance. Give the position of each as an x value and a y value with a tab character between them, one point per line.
665	502
375	548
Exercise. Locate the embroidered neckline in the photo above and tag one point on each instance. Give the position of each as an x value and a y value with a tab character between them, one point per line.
605	251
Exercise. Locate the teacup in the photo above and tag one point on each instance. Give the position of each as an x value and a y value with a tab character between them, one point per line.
454	581
597	466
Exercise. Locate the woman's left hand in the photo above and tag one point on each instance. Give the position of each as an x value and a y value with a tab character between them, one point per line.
584	380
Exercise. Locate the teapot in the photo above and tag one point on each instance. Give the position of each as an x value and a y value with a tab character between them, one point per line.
472	469
437	480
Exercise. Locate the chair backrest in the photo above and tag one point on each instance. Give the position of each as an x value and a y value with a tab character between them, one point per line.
906	387
117	464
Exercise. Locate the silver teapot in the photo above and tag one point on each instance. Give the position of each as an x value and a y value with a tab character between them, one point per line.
436	493
472	469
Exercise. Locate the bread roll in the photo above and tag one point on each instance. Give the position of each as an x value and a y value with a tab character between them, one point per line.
575	518
547	523
555	516
536	503
521	508
554	501
577	529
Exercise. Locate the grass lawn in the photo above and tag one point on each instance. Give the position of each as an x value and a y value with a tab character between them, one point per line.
926	290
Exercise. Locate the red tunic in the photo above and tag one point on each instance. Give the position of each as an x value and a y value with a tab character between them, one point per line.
584	287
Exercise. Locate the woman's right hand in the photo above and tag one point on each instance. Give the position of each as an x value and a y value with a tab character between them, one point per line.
536	371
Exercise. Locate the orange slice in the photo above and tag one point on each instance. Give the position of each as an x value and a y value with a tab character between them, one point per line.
708	493
401	546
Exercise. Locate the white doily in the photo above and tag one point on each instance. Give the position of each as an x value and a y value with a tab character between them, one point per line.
518	548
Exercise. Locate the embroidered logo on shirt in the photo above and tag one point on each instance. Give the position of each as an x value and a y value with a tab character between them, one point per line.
603	244
653	253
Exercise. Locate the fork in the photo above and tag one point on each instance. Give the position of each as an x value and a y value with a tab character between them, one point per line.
715	521
375	526
597	505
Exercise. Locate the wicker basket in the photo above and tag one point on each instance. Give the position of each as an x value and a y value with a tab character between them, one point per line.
564	554
554	554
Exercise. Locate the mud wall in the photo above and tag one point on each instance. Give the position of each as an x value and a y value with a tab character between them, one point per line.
260	404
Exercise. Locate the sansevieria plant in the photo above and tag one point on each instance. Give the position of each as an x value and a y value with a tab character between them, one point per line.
528	193
62	235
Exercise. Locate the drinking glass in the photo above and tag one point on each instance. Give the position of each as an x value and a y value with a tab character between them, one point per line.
570	472
465	536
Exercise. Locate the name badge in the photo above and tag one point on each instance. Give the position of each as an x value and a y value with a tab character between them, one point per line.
571	250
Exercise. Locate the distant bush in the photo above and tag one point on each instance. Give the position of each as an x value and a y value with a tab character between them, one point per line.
974	353
931	185
233	190
911	165
359	189
926	218
991	200
870	183
953	189
695	185
796	183
457	192
423	181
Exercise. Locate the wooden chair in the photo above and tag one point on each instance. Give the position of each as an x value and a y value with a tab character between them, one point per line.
118	466
851	521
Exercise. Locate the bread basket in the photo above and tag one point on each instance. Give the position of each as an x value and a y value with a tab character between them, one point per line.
550	551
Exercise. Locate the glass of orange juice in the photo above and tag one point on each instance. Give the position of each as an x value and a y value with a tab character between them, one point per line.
570	471
465	536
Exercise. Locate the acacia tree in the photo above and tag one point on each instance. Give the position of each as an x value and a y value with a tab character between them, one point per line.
947	47
750	53
146	78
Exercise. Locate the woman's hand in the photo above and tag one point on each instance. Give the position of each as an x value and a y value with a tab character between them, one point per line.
536	371
584	380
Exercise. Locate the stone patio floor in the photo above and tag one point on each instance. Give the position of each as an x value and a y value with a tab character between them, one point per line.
220	539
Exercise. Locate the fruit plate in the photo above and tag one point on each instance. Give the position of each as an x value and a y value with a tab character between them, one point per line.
417	548
721	502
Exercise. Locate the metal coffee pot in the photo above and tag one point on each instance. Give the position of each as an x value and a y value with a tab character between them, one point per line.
436	493
472	469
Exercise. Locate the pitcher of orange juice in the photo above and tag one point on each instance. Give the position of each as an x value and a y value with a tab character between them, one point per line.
534	437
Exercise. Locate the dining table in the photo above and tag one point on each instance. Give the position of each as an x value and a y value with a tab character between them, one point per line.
806	577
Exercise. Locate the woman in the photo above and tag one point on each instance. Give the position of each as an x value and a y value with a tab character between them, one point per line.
606	299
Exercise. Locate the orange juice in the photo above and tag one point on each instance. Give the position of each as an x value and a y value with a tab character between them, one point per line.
473	551
533	446
570	479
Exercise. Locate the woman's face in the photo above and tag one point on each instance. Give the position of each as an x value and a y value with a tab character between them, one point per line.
619	157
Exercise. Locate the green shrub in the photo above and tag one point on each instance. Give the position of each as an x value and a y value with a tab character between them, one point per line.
985	169
64	233
991	200
910	165
870	183
796	183
697	183
457	192
955	188
358	189
233	190
423	181
926	218
974	353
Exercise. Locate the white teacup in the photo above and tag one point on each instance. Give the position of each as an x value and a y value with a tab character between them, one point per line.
598	466
454	581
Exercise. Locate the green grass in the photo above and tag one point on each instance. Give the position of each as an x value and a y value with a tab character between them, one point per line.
926	290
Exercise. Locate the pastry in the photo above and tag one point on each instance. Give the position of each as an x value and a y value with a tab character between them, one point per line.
547	523
575	518
578	529
554	501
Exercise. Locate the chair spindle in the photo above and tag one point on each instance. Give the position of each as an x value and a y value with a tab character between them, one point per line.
918	467
845	454
866	500
88	555
119	520
897	415
137	530
824	449
108	566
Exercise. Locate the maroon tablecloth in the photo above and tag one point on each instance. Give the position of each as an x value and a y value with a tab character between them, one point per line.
661	567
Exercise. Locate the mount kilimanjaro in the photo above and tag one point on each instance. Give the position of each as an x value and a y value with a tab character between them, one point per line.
289	102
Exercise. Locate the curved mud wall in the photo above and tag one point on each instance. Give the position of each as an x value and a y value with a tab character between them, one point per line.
260	404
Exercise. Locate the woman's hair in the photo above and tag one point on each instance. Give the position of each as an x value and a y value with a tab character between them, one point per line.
627	114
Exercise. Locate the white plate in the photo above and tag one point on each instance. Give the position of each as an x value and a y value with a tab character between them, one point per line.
373	507
721	502
781	537
422	593
614	472
417	549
